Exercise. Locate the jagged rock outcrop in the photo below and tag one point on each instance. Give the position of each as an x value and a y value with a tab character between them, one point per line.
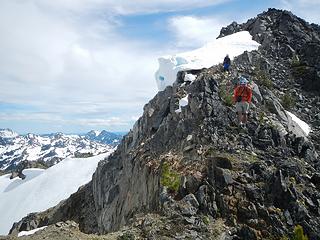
123	186
206	178
285	36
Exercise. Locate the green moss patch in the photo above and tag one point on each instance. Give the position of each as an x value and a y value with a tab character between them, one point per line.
170	178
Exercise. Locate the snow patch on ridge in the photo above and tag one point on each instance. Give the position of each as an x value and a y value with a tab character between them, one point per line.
190	77
210	54
27	233
182	103
303	125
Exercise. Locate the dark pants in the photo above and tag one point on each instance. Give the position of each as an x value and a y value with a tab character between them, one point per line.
226	67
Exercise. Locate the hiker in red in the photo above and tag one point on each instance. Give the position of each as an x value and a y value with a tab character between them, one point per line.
242	97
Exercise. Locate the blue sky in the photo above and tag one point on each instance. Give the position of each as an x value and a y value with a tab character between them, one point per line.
72	66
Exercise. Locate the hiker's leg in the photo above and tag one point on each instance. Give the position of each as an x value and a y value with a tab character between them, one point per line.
245	118
246	106
239	112
239	117
243	112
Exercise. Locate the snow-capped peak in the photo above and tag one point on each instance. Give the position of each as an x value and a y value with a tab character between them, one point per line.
210	54
48	149
8	133
94	133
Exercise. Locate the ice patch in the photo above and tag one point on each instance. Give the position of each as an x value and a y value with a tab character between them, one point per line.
210	54
182	103
27	233
190	77
303	125
189	137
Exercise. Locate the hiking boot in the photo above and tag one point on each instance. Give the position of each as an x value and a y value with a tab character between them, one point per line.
243	128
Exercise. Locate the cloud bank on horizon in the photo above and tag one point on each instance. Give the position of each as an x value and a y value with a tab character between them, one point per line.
77	65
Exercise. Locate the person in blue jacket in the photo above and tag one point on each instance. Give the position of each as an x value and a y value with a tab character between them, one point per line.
226	63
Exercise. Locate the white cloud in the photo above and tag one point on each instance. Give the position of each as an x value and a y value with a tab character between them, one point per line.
129	6
307	9
65	64
162	5
194	31
109	122
112	122
67	58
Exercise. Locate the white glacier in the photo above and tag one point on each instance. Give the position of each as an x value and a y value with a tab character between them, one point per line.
42	189
210	54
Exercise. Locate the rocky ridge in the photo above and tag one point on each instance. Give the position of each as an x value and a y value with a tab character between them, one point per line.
202	176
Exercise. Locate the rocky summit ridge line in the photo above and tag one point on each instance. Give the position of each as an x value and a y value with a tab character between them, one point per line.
194	172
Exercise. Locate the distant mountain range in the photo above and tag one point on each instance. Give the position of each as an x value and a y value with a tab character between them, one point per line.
47	150
103	137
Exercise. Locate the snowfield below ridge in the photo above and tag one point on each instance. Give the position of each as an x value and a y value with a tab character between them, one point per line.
42	189
211	54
